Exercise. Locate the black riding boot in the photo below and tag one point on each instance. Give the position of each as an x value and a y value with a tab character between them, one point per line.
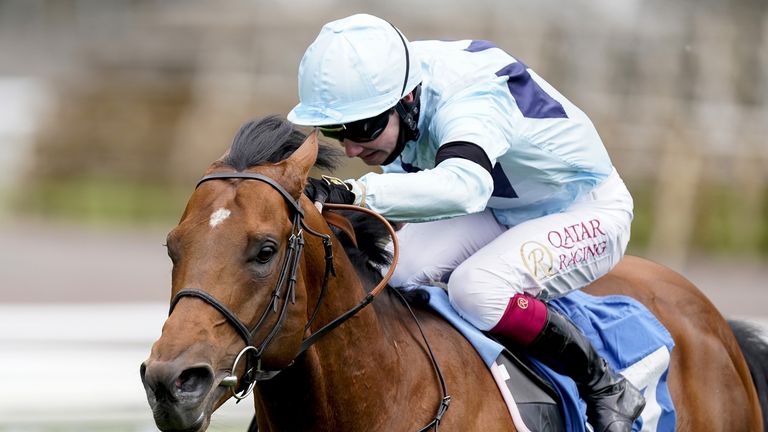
613	403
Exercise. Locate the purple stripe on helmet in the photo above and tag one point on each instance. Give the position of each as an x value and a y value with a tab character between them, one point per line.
532	100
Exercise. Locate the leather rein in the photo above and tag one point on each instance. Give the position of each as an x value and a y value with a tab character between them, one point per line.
287	280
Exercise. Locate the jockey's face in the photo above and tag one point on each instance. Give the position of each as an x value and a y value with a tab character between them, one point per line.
377	151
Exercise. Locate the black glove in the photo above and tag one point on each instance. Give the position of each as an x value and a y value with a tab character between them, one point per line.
324	191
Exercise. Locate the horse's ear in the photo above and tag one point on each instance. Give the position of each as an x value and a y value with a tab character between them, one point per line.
296	167
303	159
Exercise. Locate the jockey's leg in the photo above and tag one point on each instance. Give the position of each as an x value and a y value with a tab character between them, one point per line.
430	251
613	403
502	288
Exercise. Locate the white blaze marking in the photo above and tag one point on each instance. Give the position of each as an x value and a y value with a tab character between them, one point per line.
218	216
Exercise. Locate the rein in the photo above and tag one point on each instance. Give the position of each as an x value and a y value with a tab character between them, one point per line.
288	279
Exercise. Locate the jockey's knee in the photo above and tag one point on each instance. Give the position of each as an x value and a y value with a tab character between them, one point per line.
480	295
410	273
418	267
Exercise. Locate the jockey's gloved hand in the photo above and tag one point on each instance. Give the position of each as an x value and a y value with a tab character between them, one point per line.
329	190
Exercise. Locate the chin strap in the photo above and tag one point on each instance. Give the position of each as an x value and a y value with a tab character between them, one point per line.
401	140
409	124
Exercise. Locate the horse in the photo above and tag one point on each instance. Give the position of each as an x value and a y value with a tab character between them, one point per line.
256	265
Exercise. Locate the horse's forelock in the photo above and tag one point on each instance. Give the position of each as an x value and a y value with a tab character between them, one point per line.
270	140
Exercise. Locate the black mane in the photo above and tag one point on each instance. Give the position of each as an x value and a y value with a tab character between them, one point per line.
269	140
370	255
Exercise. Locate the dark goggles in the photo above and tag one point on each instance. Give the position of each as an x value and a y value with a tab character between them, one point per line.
364	130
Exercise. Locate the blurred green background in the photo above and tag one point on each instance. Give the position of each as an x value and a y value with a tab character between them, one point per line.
126	102
110	110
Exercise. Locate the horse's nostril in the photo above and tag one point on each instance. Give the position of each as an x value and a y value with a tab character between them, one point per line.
164	383
193	381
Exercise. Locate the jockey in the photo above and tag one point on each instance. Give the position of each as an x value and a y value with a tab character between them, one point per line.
517	199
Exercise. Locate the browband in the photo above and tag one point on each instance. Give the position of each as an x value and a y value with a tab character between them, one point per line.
253	176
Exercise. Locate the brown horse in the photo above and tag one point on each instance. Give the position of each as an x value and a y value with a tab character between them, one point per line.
240	277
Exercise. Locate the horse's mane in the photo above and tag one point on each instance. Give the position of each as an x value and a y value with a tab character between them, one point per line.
370	255
271	139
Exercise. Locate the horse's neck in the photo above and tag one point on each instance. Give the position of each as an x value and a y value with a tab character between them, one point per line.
318	388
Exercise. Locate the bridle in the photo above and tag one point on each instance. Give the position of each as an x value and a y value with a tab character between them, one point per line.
284	288
287	278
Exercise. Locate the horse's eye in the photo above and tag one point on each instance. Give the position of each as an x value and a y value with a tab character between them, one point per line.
265	254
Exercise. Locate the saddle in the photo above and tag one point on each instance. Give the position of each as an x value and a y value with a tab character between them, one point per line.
535	399
539	399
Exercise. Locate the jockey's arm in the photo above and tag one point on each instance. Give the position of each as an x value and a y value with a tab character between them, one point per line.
455	186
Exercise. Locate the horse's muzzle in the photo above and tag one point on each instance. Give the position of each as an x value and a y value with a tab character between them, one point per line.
177	395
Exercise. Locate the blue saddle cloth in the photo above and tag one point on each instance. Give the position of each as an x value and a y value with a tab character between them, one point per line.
621	329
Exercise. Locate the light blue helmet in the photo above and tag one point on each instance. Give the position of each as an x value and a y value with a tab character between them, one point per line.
358	67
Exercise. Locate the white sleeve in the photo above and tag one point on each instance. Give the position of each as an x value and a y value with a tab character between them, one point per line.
454	188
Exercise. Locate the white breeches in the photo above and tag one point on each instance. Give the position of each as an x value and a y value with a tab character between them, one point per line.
485	263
